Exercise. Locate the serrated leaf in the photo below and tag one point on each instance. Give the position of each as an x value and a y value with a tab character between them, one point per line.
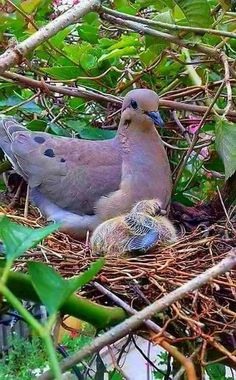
18	239
226	145
197	12
52	289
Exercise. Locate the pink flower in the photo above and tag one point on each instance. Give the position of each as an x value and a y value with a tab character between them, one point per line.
204	153
193	128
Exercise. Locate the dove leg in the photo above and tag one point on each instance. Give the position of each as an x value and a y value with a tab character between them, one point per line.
73	224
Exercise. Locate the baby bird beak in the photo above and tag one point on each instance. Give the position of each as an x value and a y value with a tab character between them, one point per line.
156	117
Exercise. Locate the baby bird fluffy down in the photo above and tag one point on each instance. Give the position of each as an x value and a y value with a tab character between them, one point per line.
137	231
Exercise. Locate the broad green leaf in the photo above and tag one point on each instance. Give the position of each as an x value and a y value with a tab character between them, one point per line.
76	103
226	145
88	31
63	72
125	41
17	239
89	34
29	6
90	133
197	12
84	278
58	39
115	375
127	51
52	289
37	125
49	285
216	371
88	61
14	100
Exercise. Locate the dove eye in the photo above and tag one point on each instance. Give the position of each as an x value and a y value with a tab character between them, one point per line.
134	104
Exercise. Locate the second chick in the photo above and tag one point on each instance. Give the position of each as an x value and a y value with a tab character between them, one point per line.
137	231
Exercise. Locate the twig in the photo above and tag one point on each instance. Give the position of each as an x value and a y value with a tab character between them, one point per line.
136	320
82	92
179	374
146	357
143	29
14	55
150	324
224	59
116	365
173	351
184	132
195	138
225	211
167	25
26	209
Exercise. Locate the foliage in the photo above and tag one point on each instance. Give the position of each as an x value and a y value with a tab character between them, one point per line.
23	357
52	289
88	54
182	49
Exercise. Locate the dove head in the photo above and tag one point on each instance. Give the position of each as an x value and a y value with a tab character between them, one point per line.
140	108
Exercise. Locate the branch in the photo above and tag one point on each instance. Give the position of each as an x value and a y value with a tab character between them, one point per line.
82	92
143	29
136	320
14	55
78	91
166	25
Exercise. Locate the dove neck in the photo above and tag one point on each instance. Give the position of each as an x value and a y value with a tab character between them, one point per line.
136	142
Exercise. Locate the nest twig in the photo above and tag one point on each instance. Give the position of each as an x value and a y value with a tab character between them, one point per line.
205	317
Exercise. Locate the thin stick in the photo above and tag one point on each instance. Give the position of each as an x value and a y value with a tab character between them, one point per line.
136	320
150	324
26	209
173	351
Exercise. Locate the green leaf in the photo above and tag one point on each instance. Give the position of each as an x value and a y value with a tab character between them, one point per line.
88	61
29	6
14	100
17	239
197	12
37	125
90	133
58	39
52	289
83	279
63	72
127	51
226	145
216	371
125	41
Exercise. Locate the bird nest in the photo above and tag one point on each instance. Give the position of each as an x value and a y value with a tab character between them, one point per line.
203	318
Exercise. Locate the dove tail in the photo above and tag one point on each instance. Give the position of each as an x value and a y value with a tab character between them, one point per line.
8	126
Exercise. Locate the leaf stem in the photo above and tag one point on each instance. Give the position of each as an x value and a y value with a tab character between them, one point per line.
55	367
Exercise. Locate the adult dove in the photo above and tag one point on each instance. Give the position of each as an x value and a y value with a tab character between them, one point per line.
82	183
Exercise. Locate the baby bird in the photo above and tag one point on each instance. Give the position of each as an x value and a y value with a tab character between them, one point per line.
137	231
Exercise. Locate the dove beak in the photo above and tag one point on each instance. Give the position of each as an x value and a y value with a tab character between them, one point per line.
156	118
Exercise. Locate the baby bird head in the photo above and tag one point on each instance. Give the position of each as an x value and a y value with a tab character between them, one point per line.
140	107
149	207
